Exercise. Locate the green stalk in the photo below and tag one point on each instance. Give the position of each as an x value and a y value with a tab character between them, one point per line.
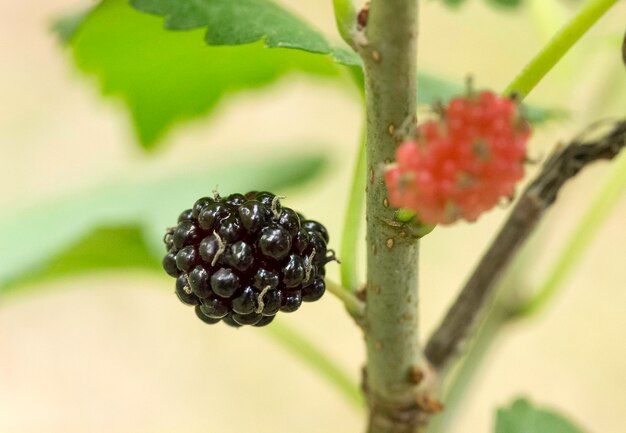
391	328
300	346
578	243
352	223
560	44
345	17
354	305
481	345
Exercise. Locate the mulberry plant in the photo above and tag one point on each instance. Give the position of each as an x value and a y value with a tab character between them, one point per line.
431	156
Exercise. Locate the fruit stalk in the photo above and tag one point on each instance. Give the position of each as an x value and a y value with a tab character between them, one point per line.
388	47
559	45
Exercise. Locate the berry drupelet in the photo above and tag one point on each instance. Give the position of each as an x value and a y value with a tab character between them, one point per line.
241	259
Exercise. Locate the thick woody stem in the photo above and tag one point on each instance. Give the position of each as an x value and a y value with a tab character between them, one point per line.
388	46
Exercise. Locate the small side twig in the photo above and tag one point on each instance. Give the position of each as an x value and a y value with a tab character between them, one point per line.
564	164
354	306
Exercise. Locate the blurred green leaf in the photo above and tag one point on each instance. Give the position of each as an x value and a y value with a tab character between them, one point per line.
103	249
453	3
431	89
66	26
166	76
522	417
506	3
122	212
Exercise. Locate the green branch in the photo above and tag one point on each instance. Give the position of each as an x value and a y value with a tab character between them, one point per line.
582	236
355	306
560	44
345	17
352	223
389	52
300	346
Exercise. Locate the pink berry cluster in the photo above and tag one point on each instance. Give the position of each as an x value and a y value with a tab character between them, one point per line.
462	164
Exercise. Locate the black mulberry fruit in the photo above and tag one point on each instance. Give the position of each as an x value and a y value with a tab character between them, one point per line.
243	258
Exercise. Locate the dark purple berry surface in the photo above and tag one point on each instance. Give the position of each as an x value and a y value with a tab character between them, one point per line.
242	258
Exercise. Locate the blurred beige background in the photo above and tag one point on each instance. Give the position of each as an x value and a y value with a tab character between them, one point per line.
118	354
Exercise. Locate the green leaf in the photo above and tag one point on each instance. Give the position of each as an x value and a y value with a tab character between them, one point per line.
431	89
453	3
66	26
165	76
230	22
506	3
522	417
149	202
245	21
103	249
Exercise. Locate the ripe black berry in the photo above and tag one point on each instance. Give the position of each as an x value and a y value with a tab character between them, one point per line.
314	291
230	229
293	271
275	242
253	216
265	278
247	319
199	205
215	308
291	301
300	241
209	249
169	264
265	320
235	199
186	258
267	198
314	226
271	302
246	302
186	215
230	322
289	220
242	258
184	293
186	233
211	215
224	282
204	317
239	256
199	282
317	248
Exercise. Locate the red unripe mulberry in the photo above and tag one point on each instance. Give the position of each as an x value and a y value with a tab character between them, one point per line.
463	164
